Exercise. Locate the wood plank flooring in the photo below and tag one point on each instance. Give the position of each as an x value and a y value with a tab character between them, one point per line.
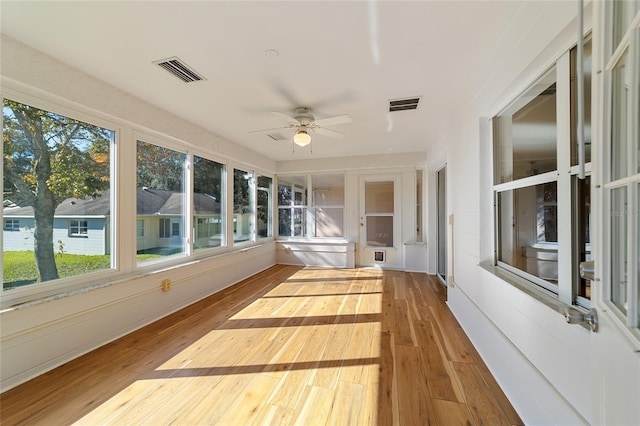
291	345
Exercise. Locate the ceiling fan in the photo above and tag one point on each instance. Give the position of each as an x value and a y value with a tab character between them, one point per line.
305	123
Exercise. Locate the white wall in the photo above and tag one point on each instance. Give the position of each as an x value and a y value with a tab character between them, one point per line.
541	362
36	337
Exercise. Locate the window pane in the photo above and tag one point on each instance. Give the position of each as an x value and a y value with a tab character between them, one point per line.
292	191
623	14
380	231
620	92
328	190
329	222
160	201
528	241
139	228
581	231
586	73
618	240
547	213
243	201
379	197
56	219
526	133
328	200
208	203
264	209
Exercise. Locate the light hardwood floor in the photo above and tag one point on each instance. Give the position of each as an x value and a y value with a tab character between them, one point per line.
291	345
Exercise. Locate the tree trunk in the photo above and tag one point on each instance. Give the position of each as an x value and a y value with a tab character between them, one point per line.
44	209
43	243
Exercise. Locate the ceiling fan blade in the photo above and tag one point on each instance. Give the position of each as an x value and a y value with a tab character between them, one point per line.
329	132
333	121
285	116
270	130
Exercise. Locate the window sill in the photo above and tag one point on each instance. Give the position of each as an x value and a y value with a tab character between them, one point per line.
545	297
315	240
111	277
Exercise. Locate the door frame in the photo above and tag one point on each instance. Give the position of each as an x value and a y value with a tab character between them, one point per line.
393	257
441	225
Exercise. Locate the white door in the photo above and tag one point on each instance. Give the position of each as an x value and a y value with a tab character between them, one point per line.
379	239
615	353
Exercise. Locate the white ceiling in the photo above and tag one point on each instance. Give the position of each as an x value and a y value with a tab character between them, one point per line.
335	57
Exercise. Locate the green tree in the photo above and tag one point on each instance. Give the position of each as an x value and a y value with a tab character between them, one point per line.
159	168
47	159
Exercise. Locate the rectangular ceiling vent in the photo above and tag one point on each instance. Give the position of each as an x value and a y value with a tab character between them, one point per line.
277	136
404	104
179	69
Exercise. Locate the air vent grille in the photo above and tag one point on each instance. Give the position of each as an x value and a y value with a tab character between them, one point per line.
277	136
179	69
403	104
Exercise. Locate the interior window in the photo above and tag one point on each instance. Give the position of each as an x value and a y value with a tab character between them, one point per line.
527	133
328	205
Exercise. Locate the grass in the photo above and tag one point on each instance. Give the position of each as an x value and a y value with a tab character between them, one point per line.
19	267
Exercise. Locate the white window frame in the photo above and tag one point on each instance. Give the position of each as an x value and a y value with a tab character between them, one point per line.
292	207
224	219
308	208
38	99
565	290
252	207
628	321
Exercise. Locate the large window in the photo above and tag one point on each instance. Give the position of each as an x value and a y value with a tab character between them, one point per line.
209	214
160	196
621	180
52	196
58	202
542	207
243	205
311	206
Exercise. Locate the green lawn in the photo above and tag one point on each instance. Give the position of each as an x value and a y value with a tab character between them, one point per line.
19	267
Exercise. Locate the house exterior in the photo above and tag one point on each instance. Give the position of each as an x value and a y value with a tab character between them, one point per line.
82	226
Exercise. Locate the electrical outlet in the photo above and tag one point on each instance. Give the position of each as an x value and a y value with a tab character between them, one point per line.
166	285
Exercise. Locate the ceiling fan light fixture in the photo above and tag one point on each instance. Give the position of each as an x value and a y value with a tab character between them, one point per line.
302	138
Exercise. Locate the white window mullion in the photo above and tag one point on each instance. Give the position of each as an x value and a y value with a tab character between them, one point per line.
632	256
188	231
563	114
309	211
